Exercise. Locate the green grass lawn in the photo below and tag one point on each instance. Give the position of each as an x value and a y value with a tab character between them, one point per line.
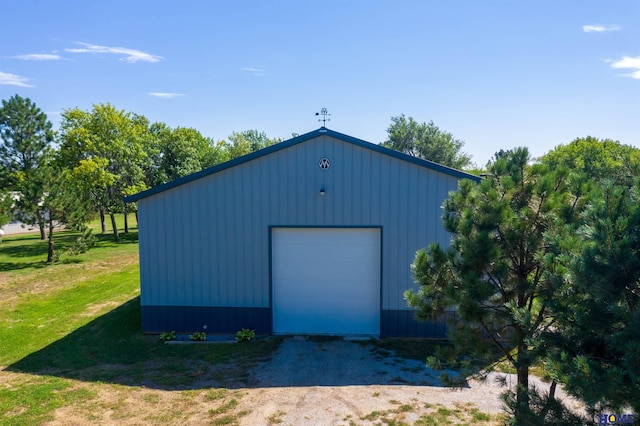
27	251
78	321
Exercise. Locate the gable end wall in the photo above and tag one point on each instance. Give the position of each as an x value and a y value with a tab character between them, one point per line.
205	244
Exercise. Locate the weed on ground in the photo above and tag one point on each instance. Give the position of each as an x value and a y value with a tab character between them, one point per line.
431	415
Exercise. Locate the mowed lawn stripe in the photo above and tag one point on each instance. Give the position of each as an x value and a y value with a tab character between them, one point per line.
41	319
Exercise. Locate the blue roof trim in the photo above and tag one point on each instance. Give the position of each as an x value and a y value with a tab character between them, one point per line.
291	142
399	155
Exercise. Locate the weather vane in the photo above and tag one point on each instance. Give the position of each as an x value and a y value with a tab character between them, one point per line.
324	113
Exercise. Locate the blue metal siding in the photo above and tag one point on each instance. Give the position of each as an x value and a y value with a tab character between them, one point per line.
402	323
206	243
223	320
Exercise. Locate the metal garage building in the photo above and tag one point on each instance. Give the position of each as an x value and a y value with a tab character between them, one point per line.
313	235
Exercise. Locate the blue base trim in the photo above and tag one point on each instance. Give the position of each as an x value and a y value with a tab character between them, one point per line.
403	323
228	320
222	320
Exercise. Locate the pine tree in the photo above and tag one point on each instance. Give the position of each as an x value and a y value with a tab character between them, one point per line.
26	135
595	343
492	273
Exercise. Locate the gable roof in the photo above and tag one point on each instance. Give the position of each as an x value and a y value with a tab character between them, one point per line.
323	131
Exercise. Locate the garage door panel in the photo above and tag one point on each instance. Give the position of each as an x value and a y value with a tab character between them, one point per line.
297	253
331	321
325	236
331	306
345	299
314	324
326	281
350	289
329	276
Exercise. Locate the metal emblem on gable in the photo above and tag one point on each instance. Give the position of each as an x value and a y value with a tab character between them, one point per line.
324	163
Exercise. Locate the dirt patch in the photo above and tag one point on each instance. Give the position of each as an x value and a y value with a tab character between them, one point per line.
362	405
306	381
119	405
94	309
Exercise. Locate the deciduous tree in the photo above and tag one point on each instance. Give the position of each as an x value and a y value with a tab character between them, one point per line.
426	141
246	142
174	153
104	149
598	159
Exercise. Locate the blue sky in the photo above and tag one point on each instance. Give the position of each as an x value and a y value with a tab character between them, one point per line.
497	74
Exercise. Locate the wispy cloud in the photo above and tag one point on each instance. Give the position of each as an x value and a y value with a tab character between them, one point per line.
128	55
253	71
630	63
166	95
38	57
600	28
14	80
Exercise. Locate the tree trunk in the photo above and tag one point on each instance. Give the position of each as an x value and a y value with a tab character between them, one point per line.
42	229
522	392
116	237
50	250
104	226
126	220
550	401
522	410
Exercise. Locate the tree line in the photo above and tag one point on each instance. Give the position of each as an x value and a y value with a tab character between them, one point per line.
96	159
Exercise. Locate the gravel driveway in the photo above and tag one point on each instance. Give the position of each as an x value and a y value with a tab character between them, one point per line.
335	382
305	382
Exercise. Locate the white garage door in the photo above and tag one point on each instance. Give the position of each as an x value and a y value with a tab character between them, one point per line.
326	281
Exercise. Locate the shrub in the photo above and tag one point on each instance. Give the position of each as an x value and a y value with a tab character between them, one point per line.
167	335
198	336
245	335
83	243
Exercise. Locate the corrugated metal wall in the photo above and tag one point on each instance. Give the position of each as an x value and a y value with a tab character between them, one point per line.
206	243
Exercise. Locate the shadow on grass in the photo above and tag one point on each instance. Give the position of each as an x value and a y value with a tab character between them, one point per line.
32	247
15	266
112	349
107	238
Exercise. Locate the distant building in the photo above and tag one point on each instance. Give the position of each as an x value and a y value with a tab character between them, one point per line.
15	226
